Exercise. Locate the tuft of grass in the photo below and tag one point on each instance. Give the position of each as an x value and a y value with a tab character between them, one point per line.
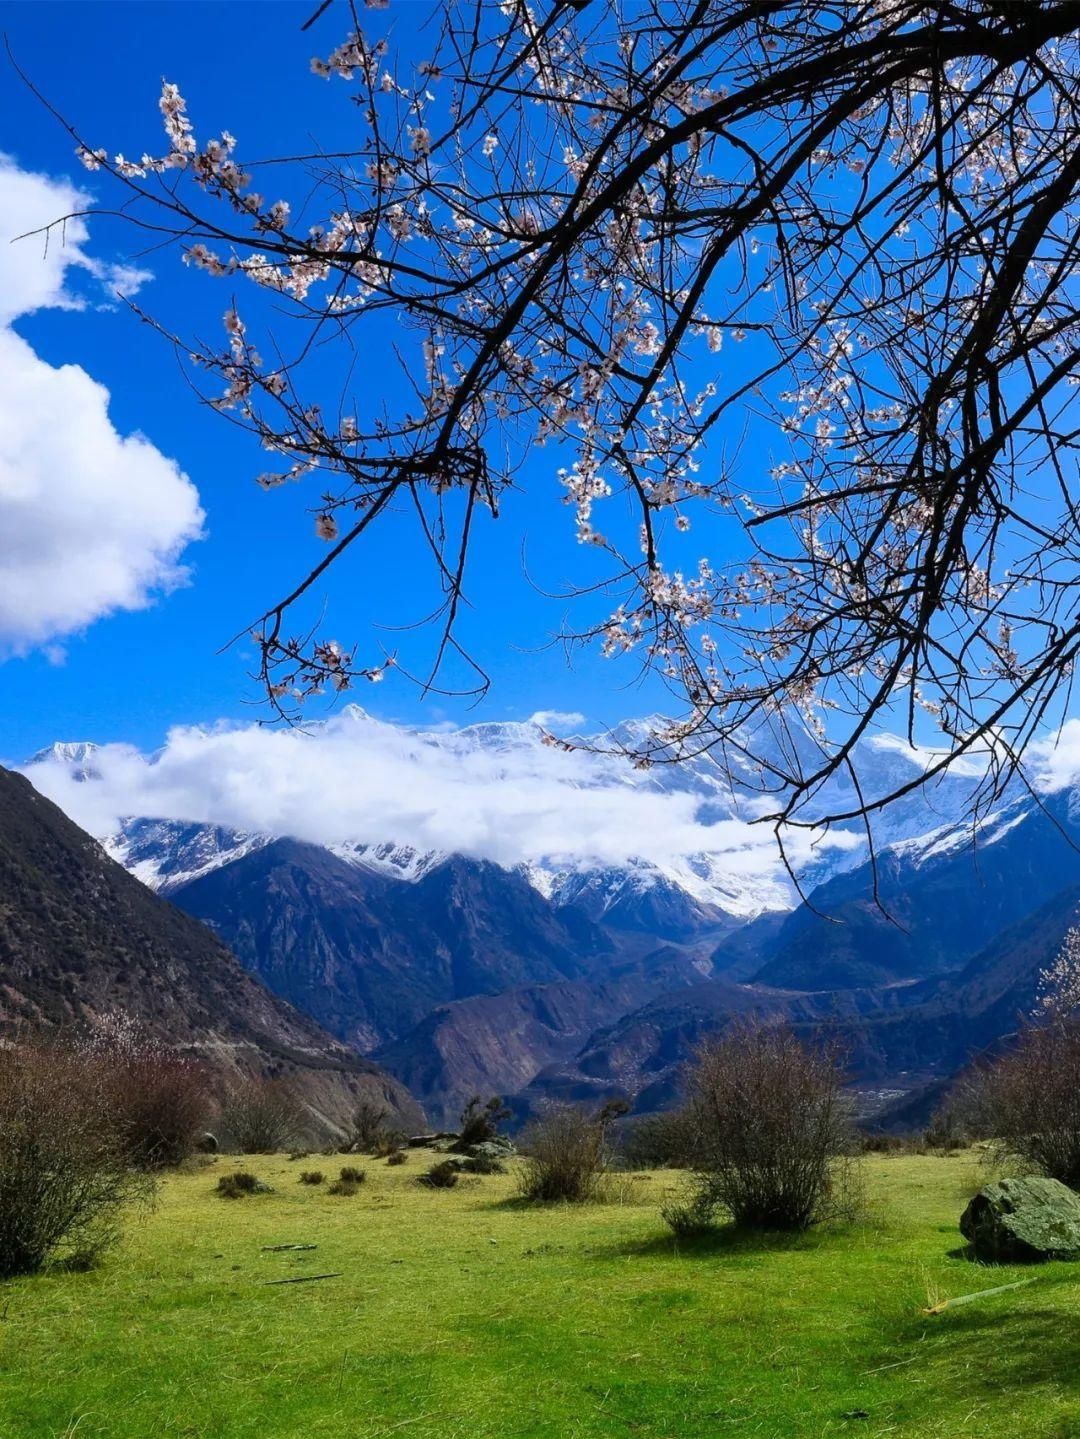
238	1185
443	1175
311	1176
584	1321
350	1174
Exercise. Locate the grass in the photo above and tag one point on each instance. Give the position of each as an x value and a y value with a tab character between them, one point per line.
462	1314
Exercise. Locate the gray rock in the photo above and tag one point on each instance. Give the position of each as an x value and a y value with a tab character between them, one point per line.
498	1148
1023	1220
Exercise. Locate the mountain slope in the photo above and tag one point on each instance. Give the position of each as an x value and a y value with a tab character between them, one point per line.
80	937
932	904
369	956
496	1044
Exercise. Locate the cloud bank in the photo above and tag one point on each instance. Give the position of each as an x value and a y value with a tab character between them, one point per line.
357	779
91	521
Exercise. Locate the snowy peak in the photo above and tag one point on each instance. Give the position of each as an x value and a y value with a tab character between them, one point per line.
75	756
166	854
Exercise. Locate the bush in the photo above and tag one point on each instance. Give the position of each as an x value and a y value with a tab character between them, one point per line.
567	1153
343	1187
351	1175
161	1099
311	1176
769	1124
1028	1102
371	1131
64	1172
482	1164
396	1156
480	1122
440	1176
239	1185
689	1217
658	1141
262	1116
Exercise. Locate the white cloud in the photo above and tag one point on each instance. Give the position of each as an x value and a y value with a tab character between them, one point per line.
1054	762
91	521
357	779
557	719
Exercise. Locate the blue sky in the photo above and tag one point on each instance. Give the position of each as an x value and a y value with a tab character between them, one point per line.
130	676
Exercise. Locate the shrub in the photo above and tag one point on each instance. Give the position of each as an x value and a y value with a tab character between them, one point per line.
658	1141
1028	1102
482	1164
262	1116
64	1172
443	1175
351	1175
343	1187
390	1142
480	1121
161	1099
370	1126
567	1153
769	1124
239	1185
311	1176
689	1217
396	1156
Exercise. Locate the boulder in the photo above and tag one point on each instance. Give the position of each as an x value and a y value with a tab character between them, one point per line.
1023	1221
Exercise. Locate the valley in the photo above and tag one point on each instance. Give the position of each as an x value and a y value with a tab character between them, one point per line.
553	980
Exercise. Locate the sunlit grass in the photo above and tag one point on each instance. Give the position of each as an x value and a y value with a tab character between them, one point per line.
462	1313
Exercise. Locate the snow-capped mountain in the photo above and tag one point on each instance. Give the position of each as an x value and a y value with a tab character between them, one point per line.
670	894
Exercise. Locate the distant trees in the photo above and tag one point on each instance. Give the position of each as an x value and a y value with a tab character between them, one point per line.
769	1126
799	278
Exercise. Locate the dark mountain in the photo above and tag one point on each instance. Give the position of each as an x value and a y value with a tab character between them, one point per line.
937	903
907	1038
370	956
80	937
655	905
496	1044
641	1053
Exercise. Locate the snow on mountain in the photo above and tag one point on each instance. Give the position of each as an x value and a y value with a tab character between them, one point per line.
711	887
166	854
397	861
77	757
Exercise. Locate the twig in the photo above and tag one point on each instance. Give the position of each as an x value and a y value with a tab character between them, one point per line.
278	1248
979	1294
305	1278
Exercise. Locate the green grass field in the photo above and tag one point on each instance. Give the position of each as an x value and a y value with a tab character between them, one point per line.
461	1313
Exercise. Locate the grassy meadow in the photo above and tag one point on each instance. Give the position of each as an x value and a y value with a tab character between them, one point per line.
462	1314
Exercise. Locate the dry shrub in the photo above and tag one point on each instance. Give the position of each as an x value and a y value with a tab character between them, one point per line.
1028	1102
351	1175
161	1099
311	1176
262	1116
239	1185
567	1153
345	1188
64	1172
658	1141
770	1126
397	1156
443	1175
370	1126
